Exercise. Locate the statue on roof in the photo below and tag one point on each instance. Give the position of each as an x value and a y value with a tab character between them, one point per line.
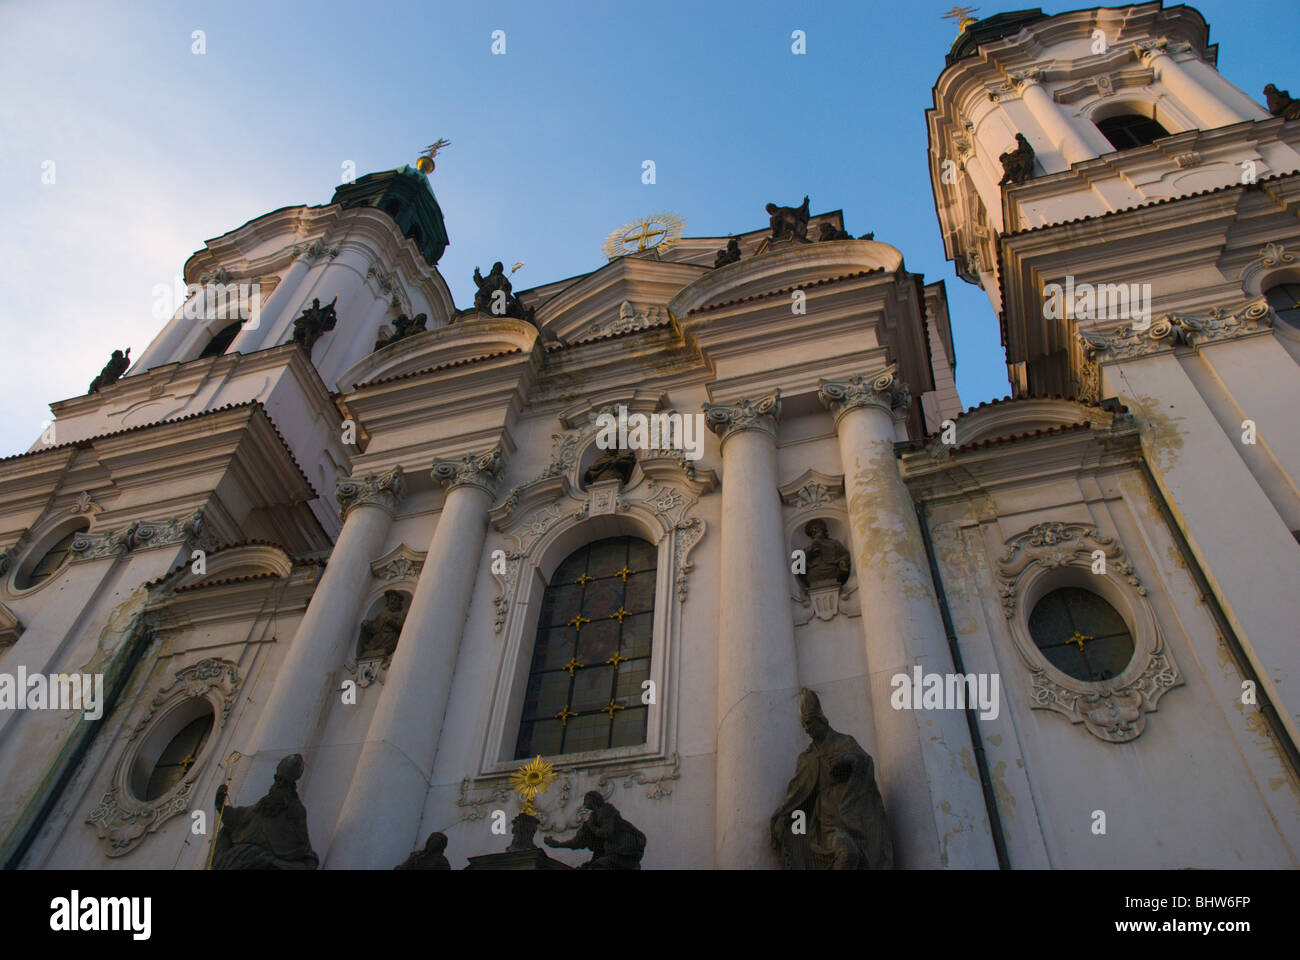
789	222
314	323
404	327
1018	163
1280	103
431	857
828	231
730	255
112	371
496	297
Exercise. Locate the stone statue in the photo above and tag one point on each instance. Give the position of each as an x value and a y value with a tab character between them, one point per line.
729	255
867	236
612	464
828	562
508	305
314	323
834	787
112	371
826	231
1280	103
379	636
789	221
1017	164
404	327
615	844
430	858
272	833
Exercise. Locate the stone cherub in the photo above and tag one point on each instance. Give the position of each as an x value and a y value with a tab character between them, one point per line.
314	323
112	371
615	844
272	833
834	787
1018	163
788	221
379	635
827	560
730	255
430	857
1280	103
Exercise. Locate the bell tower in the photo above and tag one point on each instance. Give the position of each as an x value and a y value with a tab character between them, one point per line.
1132	216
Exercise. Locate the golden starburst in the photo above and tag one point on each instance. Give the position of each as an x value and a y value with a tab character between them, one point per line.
532	778
656	232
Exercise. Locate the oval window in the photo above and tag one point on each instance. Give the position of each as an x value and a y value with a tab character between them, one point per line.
50	561
1081	634
178	756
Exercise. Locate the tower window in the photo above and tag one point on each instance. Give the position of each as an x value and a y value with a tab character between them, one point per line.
222	341
1285	301
592	652
1131	130
1081	634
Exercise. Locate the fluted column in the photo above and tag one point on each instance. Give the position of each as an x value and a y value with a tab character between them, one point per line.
329	625
758	722
380	819
1052	120
917	752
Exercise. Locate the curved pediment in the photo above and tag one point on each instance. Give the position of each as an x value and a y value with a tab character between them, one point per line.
229	564
782	267
470	339
1004	419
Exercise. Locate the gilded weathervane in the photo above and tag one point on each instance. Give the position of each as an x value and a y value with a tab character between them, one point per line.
962	17
425	162
657	232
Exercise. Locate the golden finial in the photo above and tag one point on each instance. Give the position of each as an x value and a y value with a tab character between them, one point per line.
962	17
532	778
425	163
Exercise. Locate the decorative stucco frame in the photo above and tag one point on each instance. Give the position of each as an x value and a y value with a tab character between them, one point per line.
1052	555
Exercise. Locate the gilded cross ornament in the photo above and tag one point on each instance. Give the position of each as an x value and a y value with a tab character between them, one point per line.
1078	640
188	762
564	715
961	16
574	664
616	659
657	232
619	614
611	708
577	622
532	778
583	580
624	573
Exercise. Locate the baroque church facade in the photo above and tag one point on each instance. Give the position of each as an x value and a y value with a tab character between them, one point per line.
377	530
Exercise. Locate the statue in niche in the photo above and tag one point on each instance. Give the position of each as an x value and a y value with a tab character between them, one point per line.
828	561
314	323
429	858
112	371
827	231
272	833
1017	164
1280	103
788	222
612	464
834	787
615	844
730	255
496	297
379	635
404	327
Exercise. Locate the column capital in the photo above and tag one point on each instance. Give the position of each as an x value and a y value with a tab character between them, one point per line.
1026	78
472	470
759	413
381	490
1148	50
882	390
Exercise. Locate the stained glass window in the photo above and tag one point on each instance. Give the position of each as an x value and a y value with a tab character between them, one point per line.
1081	634
179	756
592	652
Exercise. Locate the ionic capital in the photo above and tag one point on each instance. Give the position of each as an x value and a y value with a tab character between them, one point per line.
381	490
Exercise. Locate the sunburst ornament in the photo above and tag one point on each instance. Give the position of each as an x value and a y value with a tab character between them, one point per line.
656	232
532	778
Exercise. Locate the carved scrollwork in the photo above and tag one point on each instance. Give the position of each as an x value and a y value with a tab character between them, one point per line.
141	535
759	413
473	470
1175	330
382	490
881	390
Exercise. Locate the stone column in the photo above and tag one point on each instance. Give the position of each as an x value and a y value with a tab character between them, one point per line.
758	681
329	626
1055	125
918	752
380	819
1206	106
281	300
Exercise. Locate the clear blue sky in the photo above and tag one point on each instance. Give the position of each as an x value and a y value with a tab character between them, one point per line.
158	149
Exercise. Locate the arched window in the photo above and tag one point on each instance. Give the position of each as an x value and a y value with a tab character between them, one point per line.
1081	634
592	652
178	756
222	341
1131	130
50	561
1284	298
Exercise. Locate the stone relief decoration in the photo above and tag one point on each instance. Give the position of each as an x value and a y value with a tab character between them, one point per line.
1190	159
316	250
812	489
1112	710
1148	50
220	275
85	504
143	535
400	563
11	628
382	490
386	282
1272	256
1166	333
121	820
630	318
